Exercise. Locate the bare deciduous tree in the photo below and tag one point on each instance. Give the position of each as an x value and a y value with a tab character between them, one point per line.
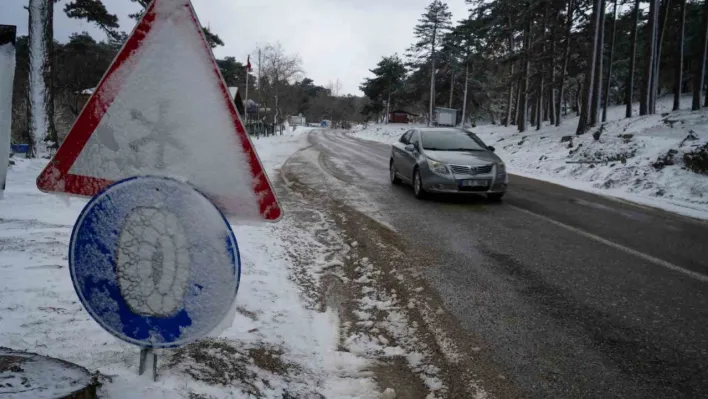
278	70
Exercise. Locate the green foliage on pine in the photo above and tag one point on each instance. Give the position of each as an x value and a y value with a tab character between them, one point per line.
528	60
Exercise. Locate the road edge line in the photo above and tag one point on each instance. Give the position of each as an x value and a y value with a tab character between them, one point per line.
659	262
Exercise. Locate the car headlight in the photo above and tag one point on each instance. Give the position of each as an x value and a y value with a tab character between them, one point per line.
501	168
438	167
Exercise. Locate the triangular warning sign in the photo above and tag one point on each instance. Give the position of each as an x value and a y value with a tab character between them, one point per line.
162	108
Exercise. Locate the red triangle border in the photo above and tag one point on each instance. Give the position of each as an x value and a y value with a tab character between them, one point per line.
56	177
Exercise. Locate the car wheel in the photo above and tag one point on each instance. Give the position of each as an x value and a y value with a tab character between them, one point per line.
418	189
496	197
392	171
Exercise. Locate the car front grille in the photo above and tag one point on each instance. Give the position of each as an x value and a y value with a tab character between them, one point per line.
471	170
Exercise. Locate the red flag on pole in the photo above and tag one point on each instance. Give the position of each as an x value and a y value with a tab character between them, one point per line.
248	64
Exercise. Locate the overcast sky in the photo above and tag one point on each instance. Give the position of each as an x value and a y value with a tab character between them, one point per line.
336	39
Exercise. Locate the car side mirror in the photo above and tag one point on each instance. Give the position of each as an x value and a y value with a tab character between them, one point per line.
490	148
410	147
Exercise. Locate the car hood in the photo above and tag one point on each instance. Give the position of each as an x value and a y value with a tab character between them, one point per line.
470	158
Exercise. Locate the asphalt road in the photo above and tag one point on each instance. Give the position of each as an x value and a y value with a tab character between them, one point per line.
574	294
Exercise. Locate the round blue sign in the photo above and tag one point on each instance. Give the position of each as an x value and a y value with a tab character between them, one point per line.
154	262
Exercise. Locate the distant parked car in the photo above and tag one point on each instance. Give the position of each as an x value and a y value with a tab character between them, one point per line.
447	160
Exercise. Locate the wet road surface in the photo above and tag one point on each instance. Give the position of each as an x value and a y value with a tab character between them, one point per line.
573	294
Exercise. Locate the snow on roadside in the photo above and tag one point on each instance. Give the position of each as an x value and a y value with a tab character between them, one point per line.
275	347
638	159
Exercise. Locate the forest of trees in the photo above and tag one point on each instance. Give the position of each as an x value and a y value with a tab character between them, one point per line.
530	62
66	70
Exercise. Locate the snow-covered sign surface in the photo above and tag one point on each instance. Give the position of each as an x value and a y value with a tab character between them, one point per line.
163	109
7	73
154	262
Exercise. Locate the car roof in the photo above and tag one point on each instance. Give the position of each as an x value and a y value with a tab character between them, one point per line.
443	129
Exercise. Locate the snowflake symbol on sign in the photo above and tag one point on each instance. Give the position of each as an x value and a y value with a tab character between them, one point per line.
160	133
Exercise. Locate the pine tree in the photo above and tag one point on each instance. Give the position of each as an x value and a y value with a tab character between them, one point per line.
510	95
678	82
40	93
389	76
662	18
431	26
551	105
606	101
539	91
597	79
590	74
629	86
523	103
649	59
700	61
566	56
94	11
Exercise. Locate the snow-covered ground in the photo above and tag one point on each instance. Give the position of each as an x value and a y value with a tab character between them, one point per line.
623	162
276	347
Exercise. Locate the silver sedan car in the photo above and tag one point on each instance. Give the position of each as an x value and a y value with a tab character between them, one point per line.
447	160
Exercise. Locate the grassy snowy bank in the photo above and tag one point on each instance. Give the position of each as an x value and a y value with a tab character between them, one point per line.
640	159
275	347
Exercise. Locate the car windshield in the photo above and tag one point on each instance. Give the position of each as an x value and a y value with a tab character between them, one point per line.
451	140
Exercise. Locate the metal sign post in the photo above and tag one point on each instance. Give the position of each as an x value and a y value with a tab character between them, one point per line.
152	258
155	263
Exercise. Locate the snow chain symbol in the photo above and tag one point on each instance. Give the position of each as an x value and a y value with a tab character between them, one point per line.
153	262
160	133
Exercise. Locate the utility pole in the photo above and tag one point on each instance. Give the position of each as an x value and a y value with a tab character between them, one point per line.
260	99
245	105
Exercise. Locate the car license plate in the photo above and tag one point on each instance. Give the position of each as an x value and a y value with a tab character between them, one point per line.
474	183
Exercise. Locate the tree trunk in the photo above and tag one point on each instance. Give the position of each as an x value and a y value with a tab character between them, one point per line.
679	58
701	61
566	56
52	138
539	100
606	101
587	100
432	79
8	38
40	105
597	83
517	104
452	87
509	101
539	104
464	99
663	20
523	105
629	85
649	61
551	107
665	6
511	77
